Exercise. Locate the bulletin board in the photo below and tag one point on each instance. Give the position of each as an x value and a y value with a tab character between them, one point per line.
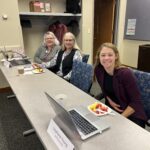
137	21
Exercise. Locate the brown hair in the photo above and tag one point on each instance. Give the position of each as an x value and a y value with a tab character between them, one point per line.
115	50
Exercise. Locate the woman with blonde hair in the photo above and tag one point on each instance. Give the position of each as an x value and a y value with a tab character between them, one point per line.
118	84
62	63
48	49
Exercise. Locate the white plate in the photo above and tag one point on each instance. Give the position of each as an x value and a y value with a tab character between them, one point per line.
99	109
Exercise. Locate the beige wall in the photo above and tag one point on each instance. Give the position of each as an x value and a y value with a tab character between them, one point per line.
10	30
87	27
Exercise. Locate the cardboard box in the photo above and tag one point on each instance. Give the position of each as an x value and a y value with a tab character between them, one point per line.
35	6
42	6
47	7
38	6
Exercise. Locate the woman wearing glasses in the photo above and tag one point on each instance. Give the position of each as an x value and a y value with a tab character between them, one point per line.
48	49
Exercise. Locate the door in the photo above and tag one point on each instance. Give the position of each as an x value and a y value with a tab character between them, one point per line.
103	23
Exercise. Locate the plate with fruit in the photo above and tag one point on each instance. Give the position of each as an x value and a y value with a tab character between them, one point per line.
38	70
99	109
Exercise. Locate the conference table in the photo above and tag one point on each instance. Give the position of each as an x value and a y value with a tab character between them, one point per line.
29	90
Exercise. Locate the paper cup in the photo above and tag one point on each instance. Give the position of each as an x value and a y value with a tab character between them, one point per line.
20	70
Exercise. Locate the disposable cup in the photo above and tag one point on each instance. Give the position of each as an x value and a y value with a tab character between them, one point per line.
20	70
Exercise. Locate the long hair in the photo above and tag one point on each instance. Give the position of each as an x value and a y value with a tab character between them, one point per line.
56	42
74	39
115	50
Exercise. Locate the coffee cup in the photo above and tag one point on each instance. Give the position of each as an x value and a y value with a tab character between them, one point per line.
20	70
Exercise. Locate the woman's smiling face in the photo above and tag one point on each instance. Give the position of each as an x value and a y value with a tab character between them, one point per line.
68	41
49	40
107	58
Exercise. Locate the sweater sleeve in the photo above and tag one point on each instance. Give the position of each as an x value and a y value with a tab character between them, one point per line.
37	55
52	62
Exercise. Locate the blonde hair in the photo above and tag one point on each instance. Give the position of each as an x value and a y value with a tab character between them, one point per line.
74	39
56	42
115	50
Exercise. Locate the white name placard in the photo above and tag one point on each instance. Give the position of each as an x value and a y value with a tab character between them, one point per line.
60	139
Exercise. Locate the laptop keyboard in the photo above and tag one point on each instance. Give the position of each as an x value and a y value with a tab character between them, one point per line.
83	125
19	62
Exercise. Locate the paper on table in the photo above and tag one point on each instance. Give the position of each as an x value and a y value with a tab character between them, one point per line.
28	72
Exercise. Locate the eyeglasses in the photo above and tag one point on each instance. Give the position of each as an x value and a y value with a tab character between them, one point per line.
49	38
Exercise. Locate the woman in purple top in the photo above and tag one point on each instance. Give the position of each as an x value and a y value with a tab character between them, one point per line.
118	84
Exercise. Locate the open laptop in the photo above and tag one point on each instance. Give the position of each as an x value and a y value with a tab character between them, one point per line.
18	62
76	122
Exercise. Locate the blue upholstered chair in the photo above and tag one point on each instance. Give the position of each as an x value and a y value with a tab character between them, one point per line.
143	81
85	57
82	75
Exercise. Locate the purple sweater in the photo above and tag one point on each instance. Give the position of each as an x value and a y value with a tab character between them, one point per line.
125	88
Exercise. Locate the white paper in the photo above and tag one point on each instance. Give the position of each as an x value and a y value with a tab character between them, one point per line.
131	26
60	139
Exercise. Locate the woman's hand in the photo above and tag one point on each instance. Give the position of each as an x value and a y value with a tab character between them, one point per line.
128	111
114	105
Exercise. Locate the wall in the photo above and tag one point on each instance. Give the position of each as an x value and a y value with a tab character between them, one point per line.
10	29
128	48
87	27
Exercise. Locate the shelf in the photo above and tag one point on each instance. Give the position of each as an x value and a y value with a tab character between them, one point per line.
28	19
37	14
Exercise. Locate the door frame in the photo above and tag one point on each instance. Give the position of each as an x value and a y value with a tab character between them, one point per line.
115	26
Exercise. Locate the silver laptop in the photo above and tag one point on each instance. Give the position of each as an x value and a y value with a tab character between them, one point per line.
78	122
19	62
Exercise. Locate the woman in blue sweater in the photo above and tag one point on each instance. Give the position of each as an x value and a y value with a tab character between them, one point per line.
118	84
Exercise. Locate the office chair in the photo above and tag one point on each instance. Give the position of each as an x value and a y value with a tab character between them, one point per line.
85	57
82	75
143	81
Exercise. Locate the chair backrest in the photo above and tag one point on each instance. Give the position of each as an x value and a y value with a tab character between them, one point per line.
143	81
85	57
82	75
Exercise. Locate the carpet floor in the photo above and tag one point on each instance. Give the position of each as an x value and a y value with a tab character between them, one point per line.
13	123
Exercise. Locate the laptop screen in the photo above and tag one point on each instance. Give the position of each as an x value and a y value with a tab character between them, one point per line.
19	62
63	119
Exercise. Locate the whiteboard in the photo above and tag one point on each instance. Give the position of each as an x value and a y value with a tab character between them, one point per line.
137	21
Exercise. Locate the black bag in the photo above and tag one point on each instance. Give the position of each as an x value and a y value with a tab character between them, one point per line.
73	6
